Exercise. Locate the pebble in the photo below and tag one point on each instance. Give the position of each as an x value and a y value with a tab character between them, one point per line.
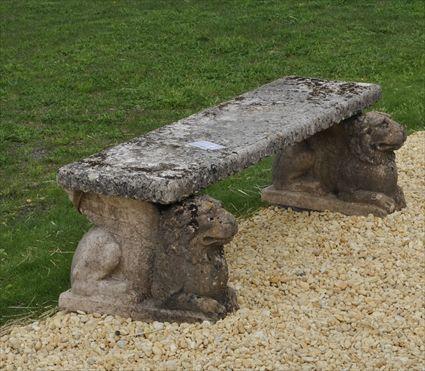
316	290
158	325
121	343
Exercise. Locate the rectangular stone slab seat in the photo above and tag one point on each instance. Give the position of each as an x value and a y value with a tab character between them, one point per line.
163	167
138	259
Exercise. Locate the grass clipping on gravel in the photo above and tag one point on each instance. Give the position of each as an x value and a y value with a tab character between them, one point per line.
318	290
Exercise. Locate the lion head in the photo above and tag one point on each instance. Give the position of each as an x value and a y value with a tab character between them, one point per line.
374	136
197	225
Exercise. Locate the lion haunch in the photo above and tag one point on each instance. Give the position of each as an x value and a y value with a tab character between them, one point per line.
354	160
190	271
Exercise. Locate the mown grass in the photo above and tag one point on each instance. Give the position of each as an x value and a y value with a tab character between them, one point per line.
77	76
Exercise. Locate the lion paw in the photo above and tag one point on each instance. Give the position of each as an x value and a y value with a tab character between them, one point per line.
211	307
385	202
231	300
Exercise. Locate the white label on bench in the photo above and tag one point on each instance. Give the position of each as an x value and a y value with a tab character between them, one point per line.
203	144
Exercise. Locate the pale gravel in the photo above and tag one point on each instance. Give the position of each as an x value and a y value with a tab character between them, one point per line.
317	291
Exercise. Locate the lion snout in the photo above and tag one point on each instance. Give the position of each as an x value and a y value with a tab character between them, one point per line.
403	136
382	133
223	231
396	138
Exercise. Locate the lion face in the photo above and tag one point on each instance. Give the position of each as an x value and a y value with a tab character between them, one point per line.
380	132
198	223
374	136
216	226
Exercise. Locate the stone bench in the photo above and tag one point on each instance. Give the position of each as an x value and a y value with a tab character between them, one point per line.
156	249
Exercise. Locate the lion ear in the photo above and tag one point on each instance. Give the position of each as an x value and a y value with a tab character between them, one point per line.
384	114
360	119
361	124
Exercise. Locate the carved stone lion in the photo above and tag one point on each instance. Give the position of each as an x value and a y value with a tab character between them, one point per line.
190	271
354	160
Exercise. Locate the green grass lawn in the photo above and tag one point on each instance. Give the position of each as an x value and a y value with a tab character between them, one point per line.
77	76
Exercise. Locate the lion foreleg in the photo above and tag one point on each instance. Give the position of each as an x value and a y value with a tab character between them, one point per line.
399	199
231	302
196	303
375	198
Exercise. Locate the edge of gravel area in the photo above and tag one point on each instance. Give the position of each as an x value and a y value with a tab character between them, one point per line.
25	320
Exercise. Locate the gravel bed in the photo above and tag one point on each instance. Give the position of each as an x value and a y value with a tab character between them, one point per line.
317	291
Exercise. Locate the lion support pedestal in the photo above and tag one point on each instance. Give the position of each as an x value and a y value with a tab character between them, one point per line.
349	168
129	264
156	250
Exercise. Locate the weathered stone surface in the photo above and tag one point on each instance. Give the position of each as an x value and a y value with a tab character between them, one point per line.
114	258
152	263
349	168
193	234
164	167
